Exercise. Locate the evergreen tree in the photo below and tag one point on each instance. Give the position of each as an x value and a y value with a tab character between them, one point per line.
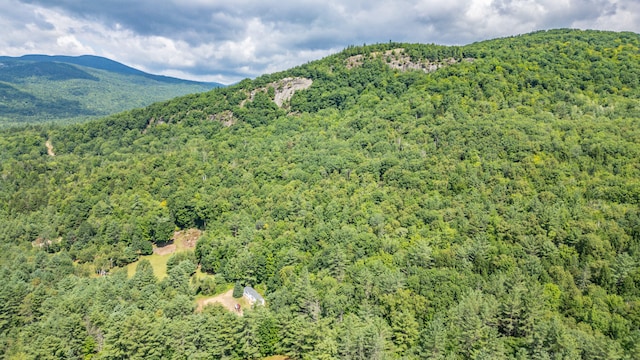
238	290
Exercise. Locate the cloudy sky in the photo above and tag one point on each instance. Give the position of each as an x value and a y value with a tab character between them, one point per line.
226	41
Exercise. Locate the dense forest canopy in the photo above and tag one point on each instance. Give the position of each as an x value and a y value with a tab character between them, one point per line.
416	201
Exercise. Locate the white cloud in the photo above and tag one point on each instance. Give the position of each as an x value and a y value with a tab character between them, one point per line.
625	18
70	45
204	40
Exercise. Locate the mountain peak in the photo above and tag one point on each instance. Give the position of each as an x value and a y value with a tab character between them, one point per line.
102	63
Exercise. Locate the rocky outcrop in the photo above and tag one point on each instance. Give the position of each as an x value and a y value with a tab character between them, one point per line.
49	148
226	118
284	89
398	59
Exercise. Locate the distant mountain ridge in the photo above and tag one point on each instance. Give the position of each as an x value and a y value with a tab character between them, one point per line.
102	63
56	88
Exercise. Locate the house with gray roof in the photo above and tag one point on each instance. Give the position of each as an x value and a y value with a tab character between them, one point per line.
252	295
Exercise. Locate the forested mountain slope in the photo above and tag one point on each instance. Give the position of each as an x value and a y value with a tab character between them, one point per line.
41	89
407	201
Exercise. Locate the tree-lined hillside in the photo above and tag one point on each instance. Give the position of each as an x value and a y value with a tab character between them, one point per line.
64	89
415	201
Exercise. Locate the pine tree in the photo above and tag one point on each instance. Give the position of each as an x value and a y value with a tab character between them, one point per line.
238	290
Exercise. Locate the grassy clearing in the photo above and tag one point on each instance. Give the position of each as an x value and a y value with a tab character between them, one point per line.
202	275
182	241
158	262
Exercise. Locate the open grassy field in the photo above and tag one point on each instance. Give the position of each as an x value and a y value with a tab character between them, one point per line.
182	241
158	262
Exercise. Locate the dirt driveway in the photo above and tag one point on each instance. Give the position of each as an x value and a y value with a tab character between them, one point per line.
225	299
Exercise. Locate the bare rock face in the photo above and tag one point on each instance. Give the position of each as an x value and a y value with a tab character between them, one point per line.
286	87
399	60
283	91
49	148
354	61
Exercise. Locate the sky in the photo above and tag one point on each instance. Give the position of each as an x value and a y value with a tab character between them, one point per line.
227	41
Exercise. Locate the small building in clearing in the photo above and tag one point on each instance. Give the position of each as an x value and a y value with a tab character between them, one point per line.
252	295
